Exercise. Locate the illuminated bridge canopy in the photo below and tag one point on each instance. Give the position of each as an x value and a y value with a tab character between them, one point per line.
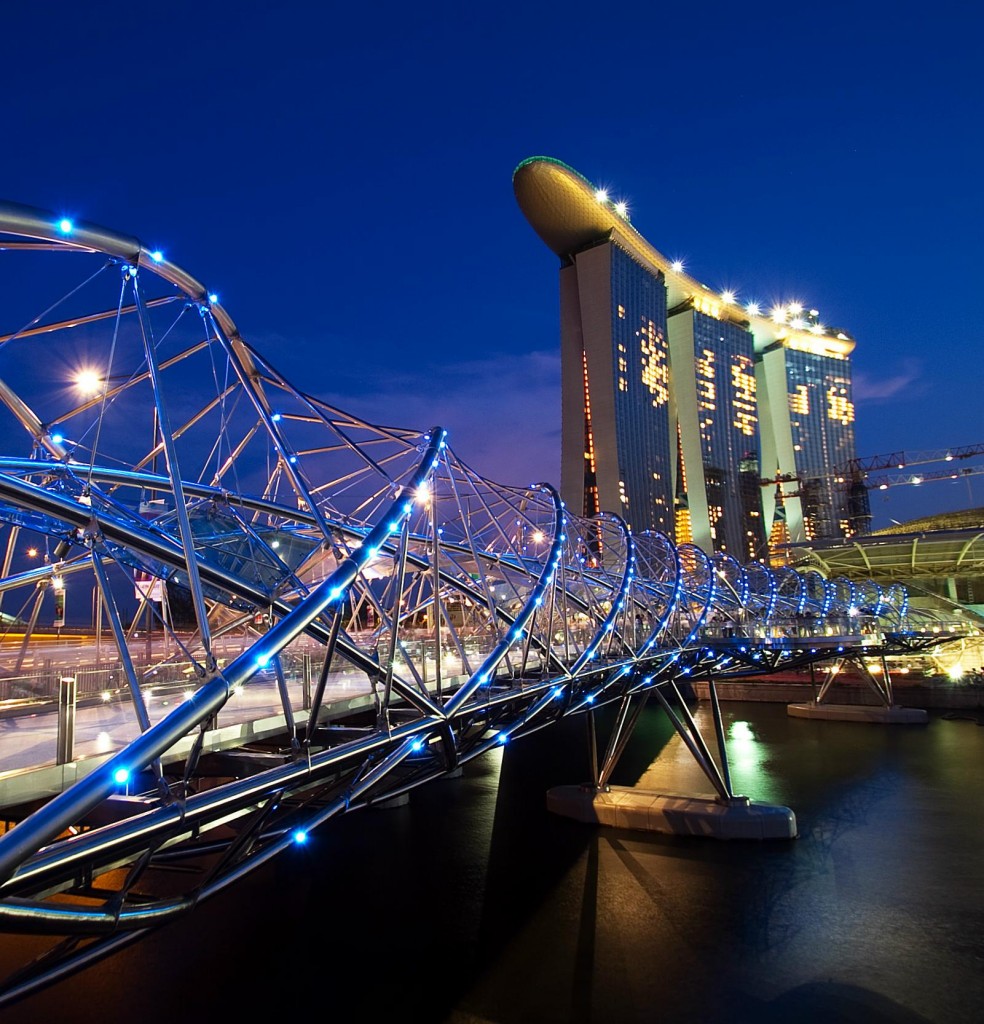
146	440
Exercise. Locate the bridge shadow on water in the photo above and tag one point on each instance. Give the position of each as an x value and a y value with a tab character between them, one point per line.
471	903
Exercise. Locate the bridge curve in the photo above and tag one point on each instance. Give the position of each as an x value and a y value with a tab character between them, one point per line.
189	475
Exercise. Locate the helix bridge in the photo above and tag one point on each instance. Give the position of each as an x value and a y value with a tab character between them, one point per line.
147	444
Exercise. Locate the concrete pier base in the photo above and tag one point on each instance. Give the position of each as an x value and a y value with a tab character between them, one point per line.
646	811
893	715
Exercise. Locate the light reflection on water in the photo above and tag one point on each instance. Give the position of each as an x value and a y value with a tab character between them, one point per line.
473	903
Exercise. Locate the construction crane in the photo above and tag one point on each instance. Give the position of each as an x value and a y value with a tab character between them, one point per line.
855	472
899	460
853	483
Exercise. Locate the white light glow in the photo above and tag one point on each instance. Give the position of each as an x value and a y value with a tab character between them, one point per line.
88	382
601	195
677	265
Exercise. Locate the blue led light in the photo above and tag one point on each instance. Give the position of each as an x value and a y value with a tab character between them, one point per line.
157	256
121	775
590	698
503	737
276	417
58	438
212	297
293	459
263	660
300	836
417	746
65	226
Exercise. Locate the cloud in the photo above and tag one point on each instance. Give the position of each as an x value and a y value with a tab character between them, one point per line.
884	388
502	412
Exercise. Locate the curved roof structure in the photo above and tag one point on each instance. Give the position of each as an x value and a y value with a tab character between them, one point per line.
570	214
945	546
963	519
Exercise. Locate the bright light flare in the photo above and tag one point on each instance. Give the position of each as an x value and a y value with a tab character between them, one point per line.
601	195
88	382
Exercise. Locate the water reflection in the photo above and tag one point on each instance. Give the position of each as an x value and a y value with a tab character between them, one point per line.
473	903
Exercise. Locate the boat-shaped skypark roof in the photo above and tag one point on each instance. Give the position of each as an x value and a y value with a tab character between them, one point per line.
570	214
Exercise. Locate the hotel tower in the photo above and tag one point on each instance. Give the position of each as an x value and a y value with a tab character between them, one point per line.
677	402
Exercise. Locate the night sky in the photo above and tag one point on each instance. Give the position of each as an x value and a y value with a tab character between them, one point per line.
341	175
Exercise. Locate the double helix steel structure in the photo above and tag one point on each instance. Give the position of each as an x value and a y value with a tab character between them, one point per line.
147	444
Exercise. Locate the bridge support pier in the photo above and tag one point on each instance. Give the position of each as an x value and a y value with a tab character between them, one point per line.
647	811
886	712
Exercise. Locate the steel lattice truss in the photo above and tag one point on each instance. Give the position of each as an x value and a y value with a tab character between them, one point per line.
469	612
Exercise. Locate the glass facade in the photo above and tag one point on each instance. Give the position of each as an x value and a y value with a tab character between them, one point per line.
821	416
727	410
642	381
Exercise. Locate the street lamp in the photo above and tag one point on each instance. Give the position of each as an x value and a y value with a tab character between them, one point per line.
88	382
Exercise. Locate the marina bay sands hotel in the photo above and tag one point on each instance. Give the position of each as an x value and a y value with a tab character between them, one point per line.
677	402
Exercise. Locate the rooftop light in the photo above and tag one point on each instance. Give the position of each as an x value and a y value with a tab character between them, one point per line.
677	265
754	308
601	195
728	296
622	208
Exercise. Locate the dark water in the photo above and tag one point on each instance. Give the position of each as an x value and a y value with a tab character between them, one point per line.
474	904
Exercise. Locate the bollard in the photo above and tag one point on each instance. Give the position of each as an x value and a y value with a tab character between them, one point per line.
306	681
67	699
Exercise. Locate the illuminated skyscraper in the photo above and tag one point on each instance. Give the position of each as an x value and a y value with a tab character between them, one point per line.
675	397
616	450
714	394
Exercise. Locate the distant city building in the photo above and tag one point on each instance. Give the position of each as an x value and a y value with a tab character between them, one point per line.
678	403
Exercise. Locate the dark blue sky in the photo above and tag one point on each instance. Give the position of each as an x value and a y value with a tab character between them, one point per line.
341	175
